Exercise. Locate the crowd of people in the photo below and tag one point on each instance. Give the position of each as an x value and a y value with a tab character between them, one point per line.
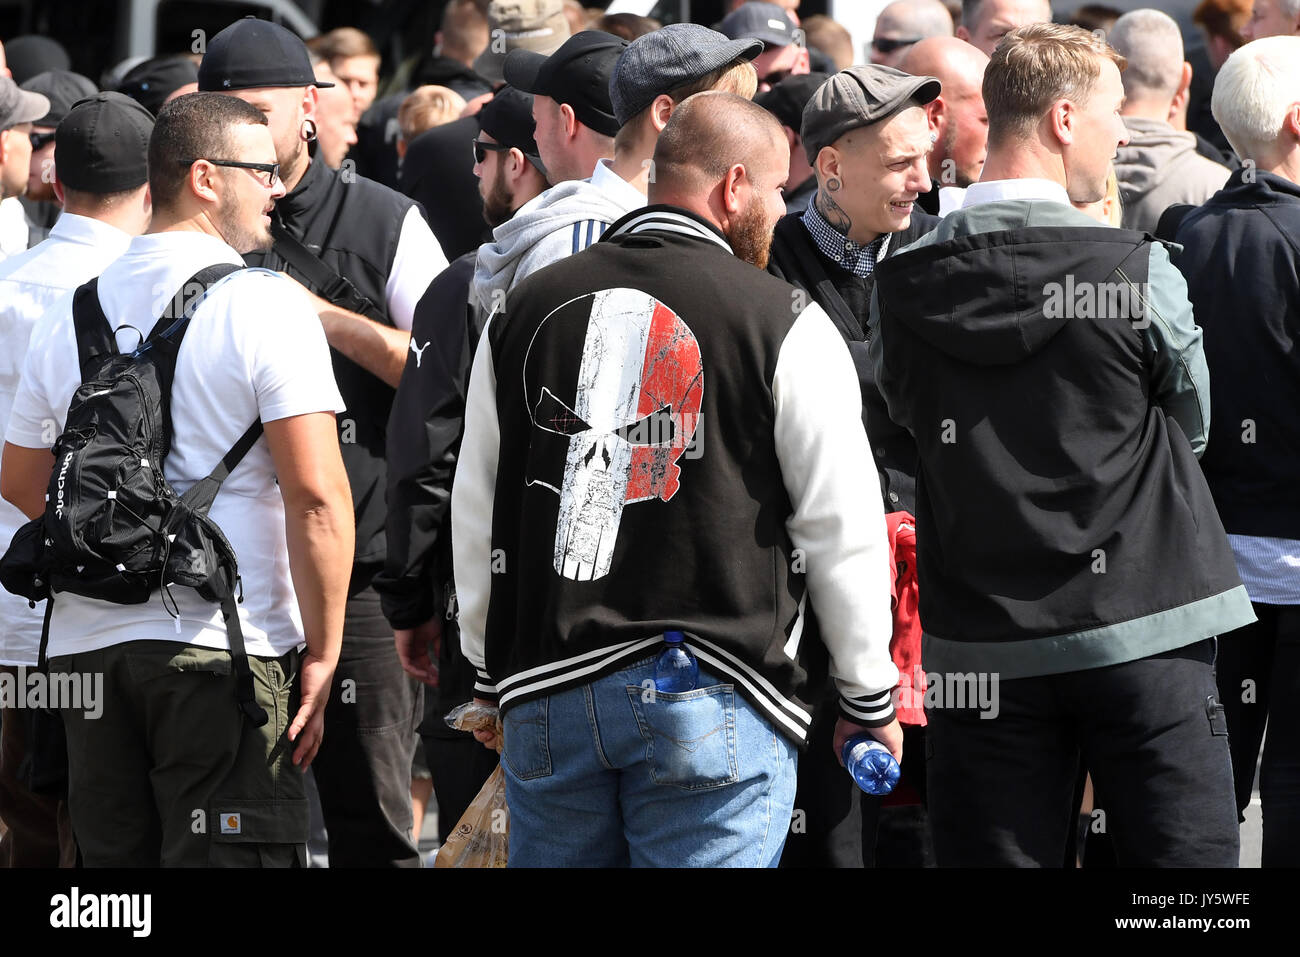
941	392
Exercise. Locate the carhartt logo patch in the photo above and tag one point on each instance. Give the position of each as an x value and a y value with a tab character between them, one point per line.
230	824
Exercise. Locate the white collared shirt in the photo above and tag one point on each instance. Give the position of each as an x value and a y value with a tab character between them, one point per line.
616	187
77	249
1027	188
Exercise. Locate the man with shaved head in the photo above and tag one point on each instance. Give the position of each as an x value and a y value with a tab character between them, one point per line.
957	118
641	415
1160	166
985	22
905	22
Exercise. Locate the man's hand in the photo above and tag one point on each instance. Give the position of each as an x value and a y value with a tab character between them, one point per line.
413	647
890	735
487	736
309	724
377	348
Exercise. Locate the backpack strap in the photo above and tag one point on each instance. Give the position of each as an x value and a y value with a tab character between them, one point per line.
321	279
94	334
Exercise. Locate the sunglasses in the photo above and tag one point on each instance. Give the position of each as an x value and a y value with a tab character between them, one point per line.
885	45
40	140
481	148
272	170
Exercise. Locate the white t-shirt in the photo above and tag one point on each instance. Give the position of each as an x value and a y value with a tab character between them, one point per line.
77	249
253	348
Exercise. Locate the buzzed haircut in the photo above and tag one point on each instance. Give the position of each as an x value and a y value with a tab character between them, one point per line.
191	127
970	13
707	135
1033	67
1153	46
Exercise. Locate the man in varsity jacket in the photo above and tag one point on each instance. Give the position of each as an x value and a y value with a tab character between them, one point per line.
661	437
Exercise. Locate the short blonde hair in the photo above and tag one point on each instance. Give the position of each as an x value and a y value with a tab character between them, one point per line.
427	107
1033	67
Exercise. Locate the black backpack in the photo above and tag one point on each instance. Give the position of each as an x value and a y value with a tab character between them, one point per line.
114	528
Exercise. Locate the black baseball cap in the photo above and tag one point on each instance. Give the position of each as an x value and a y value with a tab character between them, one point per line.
62	88
578	73
102	145
508	119
151	82
252	53
787	99
860	96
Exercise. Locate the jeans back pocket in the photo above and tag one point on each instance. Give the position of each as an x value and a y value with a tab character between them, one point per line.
690	737
527	749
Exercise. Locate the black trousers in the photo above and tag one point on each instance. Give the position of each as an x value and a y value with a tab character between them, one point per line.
363	768
1259	681
1153	735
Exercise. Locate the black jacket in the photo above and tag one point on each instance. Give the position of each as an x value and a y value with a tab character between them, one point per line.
438	173
1241	259
424	431
796	259
353	226
1062	519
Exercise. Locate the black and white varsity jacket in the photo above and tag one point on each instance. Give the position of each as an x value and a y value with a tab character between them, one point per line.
660	436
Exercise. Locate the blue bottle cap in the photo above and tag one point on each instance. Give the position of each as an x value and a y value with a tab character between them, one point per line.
674	636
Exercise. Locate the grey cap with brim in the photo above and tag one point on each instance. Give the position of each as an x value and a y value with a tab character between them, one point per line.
860	96
536	25
18	105
669	58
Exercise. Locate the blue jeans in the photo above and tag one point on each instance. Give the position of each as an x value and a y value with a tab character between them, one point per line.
611	774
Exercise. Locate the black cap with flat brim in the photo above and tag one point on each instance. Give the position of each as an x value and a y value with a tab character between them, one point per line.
102	145
578	73
251	54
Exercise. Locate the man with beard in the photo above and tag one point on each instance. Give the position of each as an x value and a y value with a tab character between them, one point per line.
167	770
424	433
366	256
957	117
639	419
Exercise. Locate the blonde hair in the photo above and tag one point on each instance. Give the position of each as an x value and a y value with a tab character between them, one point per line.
1033	67
427	107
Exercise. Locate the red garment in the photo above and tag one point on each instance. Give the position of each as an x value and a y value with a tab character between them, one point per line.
905	644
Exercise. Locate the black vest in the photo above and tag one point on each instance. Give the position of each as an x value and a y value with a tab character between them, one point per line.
353	225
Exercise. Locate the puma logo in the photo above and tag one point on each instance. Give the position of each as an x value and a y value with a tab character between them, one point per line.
419	351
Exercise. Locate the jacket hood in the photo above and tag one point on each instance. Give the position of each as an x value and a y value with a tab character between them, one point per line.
996	298
563	205
1154	146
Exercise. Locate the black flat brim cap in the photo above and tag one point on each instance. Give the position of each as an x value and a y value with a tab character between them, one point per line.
578	73
251	54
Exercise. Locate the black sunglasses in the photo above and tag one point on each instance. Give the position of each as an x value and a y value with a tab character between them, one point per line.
39	140
481	148
885	45
271	169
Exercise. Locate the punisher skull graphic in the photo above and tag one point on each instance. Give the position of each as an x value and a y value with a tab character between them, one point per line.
621	427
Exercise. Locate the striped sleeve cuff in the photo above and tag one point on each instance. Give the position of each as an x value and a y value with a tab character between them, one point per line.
870	711
484	687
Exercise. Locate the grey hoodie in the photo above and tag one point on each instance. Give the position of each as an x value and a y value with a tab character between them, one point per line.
565	219
1160	168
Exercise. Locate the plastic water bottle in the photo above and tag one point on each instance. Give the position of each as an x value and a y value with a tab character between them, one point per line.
676	670
872	766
